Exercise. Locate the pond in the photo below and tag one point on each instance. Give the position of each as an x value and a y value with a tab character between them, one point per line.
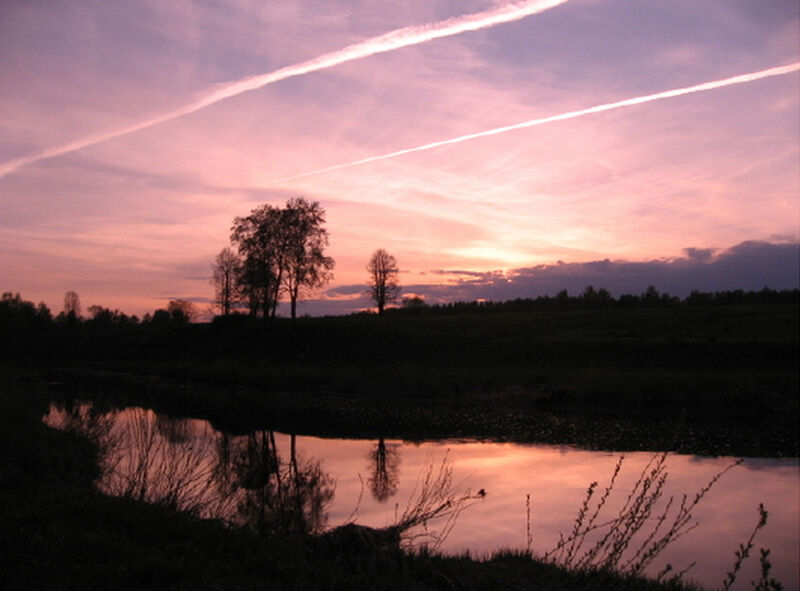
502	495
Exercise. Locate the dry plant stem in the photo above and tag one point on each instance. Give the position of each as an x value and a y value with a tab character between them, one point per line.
434	497
529	533
135	462
681	525
615	549
634	518
590	525
766	583
662	576
141	464
744	549
352	517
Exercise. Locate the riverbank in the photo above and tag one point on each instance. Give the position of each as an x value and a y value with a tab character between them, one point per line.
498	417
712	381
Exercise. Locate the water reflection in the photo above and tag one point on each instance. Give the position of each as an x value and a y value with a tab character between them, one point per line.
187	466
268	479
384	470
277	495
149	461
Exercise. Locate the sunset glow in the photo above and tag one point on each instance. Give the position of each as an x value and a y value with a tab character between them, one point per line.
496	149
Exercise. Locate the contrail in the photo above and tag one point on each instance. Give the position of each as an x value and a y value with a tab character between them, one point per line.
741	79
391	41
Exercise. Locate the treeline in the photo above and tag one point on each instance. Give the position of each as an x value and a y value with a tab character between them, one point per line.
18	316
601	299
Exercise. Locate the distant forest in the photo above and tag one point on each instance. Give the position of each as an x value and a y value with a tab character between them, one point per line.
18	315
600	299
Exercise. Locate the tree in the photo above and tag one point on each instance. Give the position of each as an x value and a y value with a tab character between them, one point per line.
22	315
72	304
182	311
282	252
414	304
225	278
307	267
382	283
104	317
161	319
45	316
258	240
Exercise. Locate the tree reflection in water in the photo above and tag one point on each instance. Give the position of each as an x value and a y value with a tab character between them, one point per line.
278	496
240	480
384	470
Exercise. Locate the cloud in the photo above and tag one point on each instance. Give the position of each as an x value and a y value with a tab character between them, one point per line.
750	266
474	275
699	254
345	290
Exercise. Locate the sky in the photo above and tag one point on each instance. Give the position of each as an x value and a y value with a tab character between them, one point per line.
133	133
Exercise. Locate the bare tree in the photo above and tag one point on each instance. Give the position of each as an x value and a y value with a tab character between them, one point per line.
382	283
72	304
225	277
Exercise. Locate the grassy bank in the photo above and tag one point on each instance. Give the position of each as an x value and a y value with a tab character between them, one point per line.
63	534
716	380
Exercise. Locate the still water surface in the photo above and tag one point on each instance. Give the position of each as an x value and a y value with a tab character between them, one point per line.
316	484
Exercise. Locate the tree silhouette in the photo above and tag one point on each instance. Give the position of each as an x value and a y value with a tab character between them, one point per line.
72	304
307	267
382	283
282	252
182	311
18	314
257	240
225	277
414	304
106	318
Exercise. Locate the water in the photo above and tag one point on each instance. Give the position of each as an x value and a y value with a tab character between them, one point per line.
313	484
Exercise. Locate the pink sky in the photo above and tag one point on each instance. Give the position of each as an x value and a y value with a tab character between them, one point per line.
136	220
